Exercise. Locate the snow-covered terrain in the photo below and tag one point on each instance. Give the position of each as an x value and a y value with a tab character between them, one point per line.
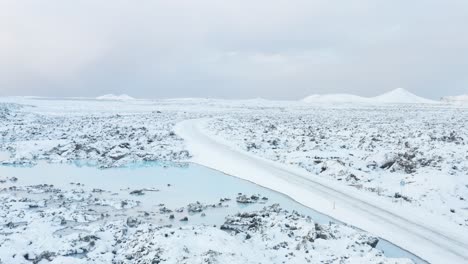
373	150
75	222
122	97
412	155
397	96
335	98
408	226
401	96
460	99
109	139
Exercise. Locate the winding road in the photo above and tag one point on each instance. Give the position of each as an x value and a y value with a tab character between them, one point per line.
405	227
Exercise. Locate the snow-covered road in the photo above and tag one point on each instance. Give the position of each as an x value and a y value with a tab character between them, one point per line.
417	232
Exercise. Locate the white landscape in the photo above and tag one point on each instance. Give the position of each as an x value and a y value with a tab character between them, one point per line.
233	132
117	180
122	97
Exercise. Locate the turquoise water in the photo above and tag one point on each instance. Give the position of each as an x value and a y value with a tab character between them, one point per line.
178	185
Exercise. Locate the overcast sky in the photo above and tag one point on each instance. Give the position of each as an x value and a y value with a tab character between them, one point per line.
233	49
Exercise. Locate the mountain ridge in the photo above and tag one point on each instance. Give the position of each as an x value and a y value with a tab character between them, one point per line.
396	96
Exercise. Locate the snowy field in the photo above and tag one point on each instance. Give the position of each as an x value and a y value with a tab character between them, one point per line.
375	150
412	155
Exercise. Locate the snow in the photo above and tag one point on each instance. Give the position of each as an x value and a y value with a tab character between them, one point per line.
73	222
122	97
371	149
460	99
335	98
397	96
345	160
108	139
412	228
401	96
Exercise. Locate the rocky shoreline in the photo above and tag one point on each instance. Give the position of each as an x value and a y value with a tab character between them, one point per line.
46	224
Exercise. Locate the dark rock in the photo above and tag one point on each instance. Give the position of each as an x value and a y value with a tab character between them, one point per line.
195	207
372	242
352	177
165	210
11	225
281	245
137	192
321	235
132	222
243	199
387	164
90	238
49	256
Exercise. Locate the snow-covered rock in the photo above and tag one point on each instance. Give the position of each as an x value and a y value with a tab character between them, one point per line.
370	147
46	224
108	140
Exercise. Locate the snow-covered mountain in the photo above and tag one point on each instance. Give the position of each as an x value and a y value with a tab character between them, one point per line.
122	97
335	98
460	99
397	96
401	96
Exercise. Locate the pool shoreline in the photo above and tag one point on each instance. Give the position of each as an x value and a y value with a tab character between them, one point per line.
389	249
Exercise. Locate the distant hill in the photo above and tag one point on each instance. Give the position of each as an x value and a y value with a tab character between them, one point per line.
122	97
460	99
335	98
401	96
397	96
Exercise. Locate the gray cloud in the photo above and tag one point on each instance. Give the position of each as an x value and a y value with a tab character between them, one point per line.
232	49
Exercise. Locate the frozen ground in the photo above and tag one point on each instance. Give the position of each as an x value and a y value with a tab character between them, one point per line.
372	150
423	233
367	149
108	138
